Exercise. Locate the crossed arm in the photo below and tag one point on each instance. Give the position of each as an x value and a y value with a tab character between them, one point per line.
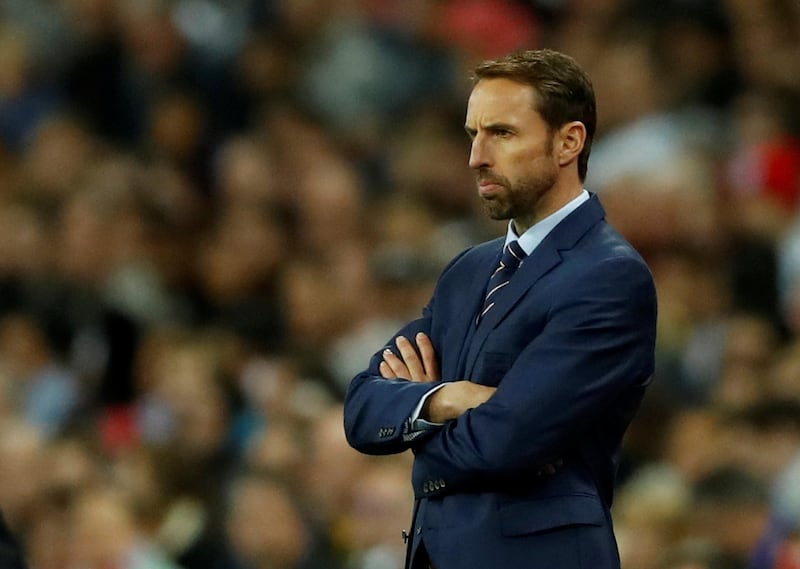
418	364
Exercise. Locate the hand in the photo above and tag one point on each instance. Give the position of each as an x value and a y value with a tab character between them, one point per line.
420	367
454	398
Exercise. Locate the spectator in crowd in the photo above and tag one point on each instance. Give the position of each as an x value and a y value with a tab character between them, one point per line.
104	530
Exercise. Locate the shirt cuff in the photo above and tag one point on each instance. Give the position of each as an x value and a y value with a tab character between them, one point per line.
418	424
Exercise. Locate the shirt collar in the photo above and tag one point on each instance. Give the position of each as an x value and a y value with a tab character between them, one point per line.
536	233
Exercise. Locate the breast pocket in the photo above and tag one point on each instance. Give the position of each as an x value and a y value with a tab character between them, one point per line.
499	352
493	366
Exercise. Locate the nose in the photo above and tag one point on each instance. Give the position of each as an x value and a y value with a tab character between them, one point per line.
479	154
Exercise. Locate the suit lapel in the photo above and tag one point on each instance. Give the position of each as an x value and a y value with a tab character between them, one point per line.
487	258
542	260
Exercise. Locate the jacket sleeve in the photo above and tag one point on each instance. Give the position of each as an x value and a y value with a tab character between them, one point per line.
377	411
595	350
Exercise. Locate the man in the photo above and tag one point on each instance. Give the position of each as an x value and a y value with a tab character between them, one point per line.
515	399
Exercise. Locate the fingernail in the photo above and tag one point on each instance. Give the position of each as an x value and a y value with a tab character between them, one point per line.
420	336
387	351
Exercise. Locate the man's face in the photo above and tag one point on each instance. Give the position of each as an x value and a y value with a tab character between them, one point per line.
512	150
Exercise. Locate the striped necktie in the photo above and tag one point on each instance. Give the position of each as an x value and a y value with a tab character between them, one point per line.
513	255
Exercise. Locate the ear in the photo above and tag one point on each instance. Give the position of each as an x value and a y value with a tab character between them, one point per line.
569	142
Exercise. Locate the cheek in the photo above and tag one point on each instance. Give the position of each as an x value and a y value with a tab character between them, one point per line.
530	154
533	166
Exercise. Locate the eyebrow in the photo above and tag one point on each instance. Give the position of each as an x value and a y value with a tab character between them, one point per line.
493	127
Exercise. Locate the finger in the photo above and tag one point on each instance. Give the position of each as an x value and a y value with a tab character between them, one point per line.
386	371
428	355
395	364
410	358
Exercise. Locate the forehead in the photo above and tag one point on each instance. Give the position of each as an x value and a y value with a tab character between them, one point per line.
501	99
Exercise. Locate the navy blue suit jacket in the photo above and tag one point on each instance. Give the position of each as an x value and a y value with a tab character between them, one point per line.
526	479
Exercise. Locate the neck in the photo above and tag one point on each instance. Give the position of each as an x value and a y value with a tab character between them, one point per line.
548	204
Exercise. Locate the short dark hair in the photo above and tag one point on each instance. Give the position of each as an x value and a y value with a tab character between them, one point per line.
565	92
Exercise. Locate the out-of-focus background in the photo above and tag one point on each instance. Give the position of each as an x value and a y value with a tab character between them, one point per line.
212	212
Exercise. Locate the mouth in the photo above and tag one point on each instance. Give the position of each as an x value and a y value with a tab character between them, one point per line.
489	188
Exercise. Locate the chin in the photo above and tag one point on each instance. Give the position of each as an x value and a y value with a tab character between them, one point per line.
496	211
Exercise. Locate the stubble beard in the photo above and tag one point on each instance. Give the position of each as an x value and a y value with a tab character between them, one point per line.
520	199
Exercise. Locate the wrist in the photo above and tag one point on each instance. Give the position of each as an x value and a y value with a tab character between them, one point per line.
438	408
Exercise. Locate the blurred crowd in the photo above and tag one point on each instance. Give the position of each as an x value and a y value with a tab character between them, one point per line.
213	211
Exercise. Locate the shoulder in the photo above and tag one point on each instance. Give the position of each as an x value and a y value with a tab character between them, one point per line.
604	258
605	244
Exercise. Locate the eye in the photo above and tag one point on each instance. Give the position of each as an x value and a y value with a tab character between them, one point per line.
502	132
